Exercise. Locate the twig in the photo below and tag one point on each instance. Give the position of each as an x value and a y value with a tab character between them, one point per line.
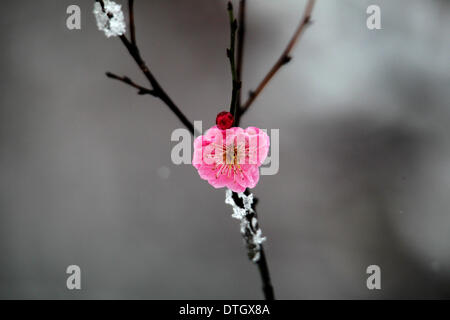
132	27
240	51
284	58
261	261
231	56
265	276
141	90
157	90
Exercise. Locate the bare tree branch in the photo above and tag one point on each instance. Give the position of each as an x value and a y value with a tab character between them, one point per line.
157	90
131	17
240	50
251	216
236	85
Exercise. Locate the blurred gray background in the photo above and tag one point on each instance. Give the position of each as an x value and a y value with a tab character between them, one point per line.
86	176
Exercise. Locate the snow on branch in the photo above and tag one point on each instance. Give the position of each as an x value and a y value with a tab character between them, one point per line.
250	230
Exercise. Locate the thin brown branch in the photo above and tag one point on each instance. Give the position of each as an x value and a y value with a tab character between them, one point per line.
236	85
157	90
240	48
141	90
284	58
131	18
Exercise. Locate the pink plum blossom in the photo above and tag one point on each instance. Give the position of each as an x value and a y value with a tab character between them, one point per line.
232	157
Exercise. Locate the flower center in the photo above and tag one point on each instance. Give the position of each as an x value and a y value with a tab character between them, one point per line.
228	160
232	155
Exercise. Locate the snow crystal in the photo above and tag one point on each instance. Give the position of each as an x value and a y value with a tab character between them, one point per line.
249	223
110	20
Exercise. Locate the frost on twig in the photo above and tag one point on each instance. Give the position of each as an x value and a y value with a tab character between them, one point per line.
110	18
250	230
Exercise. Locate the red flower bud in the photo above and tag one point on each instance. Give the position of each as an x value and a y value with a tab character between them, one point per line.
224	120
